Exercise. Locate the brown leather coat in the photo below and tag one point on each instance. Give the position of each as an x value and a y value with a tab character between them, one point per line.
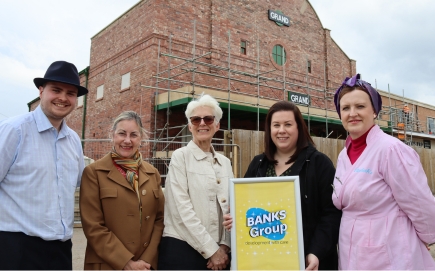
110	215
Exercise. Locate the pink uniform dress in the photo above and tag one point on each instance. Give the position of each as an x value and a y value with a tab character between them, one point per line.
388	208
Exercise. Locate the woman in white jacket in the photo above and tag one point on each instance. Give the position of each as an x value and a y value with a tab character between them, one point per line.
196	192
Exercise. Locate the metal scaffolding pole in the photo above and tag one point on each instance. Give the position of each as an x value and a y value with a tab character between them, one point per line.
326	100
308	106
258	84
391	116
283	60
193	57
229	80
156	96
168	112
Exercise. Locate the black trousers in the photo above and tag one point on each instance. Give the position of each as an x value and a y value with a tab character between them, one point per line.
175	254
19	251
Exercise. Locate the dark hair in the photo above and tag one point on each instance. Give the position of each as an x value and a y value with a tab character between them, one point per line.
304	138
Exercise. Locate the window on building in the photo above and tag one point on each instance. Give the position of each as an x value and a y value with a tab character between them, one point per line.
80	101
125	81
243	47
431	125
100	92
309	66
279	55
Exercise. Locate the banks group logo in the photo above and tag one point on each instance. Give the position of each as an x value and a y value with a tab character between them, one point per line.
267	224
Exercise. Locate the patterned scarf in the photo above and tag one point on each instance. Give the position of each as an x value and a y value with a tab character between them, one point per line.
130	166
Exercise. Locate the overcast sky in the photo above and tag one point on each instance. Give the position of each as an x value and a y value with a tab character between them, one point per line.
392	41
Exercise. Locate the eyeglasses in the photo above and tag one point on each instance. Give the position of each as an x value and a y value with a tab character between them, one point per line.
195	120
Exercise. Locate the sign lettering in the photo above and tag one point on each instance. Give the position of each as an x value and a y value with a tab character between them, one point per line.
279	18
299	98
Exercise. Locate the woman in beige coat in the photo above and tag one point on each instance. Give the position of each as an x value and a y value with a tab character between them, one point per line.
121	203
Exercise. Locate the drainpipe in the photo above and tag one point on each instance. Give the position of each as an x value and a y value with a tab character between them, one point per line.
86	73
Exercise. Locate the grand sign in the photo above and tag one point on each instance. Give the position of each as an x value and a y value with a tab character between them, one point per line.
299	98
279	18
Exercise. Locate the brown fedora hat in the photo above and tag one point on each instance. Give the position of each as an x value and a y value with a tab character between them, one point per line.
63	72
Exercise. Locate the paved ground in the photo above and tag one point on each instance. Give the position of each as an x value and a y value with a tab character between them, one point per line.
78	249
79	246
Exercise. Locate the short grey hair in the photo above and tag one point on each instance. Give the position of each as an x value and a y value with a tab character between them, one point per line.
204	100
130	115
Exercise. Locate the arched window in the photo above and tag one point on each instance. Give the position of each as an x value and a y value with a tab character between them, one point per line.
279	55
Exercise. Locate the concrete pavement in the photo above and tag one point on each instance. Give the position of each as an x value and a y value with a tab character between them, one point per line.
78	249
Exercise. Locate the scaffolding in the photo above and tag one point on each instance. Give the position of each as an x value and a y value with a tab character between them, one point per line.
259	87
403	118
263	84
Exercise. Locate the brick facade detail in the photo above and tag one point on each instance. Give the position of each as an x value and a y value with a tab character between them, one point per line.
187	28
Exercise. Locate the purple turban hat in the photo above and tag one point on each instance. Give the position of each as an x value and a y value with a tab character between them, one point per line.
355	81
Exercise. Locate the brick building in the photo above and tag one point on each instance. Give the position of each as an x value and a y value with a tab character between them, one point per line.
248	54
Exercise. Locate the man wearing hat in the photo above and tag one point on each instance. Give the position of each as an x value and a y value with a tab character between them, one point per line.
41	166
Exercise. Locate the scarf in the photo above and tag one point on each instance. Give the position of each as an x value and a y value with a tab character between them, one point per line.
131	167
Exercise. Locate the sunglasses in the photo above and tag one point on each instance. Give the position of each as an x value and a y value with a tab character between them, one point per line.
195	120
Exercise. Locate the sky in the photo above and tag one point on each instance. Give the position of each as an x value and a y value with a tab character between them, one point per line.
392	42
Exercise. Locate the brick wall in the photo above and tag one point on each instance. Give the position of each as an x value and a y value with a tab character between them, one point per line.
131	43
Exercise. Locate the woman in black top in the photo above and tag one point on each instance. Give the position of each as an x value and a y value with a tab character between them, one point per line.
290	151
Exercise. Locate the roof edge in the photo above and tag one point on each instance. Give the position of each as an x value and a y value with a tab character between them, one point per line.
117	18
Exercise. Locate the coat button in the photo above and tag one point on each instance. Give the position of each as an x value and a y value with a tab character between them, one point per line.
147	217
223	200
145	244
202	252
218	181
144	192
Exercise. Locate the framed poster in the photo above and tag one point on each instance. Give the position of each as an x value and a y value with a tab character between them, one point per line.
267	224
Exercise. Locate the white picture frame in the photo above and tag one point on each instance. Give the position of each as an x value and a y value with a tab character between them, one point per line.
267	229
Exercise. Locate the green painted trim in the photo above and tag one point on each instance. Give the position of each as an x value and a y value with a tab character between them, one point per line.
223	105
335	121
243	108
173	103
263	111
321	119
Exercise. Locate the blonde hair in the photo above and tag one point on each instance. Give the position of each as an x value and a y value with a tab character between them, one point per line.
130	115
